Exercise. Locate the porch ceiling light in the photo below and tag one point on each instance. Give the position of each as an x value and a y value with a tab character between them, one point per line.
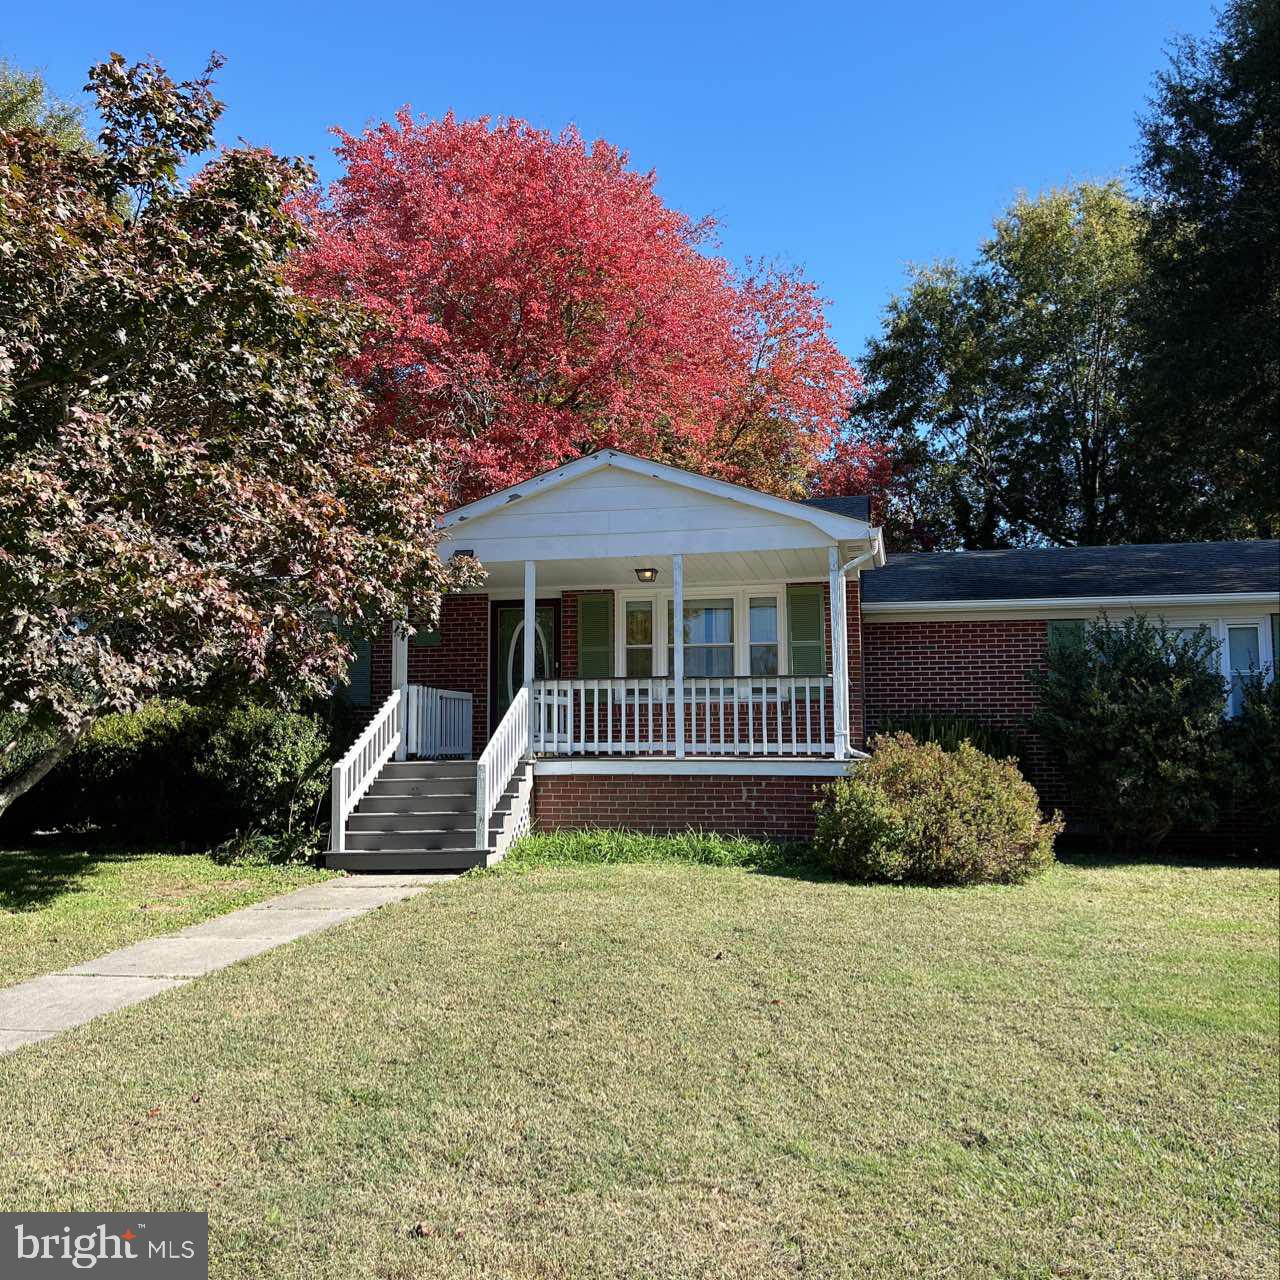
647	575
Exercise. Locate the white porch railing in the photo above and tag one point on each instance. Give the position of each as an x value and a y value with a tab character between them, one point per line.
354	773
507	748
723	715
438	722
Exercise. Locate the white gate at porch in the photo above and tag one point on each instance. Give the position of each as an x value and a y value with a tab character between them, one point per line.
437	723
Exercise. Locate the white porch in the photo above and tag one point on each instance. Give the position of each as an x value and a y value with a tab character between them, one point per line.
706	652
711	635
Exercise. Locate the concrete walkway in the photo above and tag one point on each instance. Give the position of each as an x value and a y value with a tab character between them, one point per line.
41	1007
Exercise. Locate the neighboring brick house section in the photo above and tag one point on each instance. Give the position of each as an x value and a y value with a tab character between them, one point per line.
780	808
980	669
460	659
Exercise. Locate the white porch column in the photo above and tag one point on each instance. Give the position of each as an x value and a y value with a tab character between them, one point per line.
677	647
400	680
530	618
530	635
839	653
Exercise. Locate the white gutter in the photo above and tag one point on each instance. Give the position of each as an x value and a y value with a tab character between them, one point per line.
1023	605
858	561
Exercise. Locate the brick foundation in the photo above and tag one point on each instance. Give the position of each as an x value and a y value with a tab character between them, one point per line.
778	808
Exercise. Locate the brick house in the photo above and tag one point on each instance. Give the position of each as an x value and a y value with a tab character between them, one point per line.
561	692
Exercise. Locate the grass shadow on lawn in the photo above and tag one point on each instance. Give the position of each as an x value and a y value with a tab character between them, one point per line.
45	867
1088	855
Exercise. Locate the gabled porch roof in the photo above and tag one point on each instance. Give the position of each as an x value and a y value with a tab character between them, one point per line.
594	520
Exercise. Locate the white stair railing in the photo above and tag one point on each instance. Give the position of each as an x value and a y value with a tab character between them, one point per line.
354	773
507	748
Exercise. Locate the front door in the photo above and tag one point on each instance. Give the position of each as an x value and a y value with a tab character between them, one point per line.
506	663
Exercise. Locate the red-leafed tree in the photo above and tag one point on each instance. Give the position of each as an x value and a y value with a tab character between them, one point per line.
538	300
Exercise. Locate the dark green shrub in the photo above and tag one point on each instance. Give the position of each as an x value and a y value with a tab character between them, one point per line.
171	771
949	731
1253	738
270	766
129	772
916	812
1134	715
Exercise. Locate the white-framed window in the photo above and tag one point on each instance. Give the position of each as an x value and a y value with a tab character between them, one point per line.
762	635
1244	648
708	637
637	638
729	631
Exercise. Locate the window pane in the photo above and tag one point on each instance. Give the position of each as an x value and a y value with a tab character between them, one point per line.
639	622
764	659
708	622
1244	654
708	660
764	620
1242	646
639	662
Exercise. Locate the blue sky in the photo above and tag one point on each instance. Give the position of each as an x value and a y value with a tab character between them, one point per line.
848	138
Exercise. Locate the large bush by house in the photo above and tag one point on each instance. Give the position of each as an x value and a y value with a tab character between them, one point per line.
1133	713
916	812
1253	738
171	771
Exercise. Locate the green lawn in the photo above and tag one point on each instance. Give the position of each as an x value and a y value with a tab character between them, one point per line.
61	904
700	1071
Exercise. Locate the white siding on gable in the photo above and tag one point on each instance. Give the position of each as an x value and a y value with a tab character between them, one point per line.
619	513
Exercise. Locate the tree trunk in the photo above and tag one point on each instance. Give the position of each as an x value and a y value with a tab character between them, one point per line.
28	778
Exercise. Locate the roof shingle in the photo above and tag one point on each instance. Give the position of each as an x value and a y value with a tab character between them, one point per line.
1030	573
855	507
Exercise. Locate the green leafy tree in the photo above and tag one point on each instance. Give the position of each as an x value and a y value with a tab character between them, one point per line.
1134	713
1007	384
188	503
931	391
1210	159
26	103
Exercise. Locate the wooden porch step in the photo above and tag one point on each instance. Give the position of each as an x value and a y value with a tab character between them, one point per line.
413	820
389	841
402	808
408	860
456	789
428	769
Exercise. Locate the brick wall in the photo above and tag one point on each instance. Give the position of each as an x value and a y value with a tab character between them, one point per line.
978	669
983	670
773	807
459	661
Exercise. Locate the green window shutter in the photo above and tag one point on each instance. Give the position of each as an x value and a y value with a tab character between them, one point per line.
595	637
1066	633
360	675
805	631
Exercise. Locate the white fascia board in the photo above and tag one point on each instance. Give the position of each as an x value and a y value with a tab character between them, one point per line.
596	766
884	608
841	528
